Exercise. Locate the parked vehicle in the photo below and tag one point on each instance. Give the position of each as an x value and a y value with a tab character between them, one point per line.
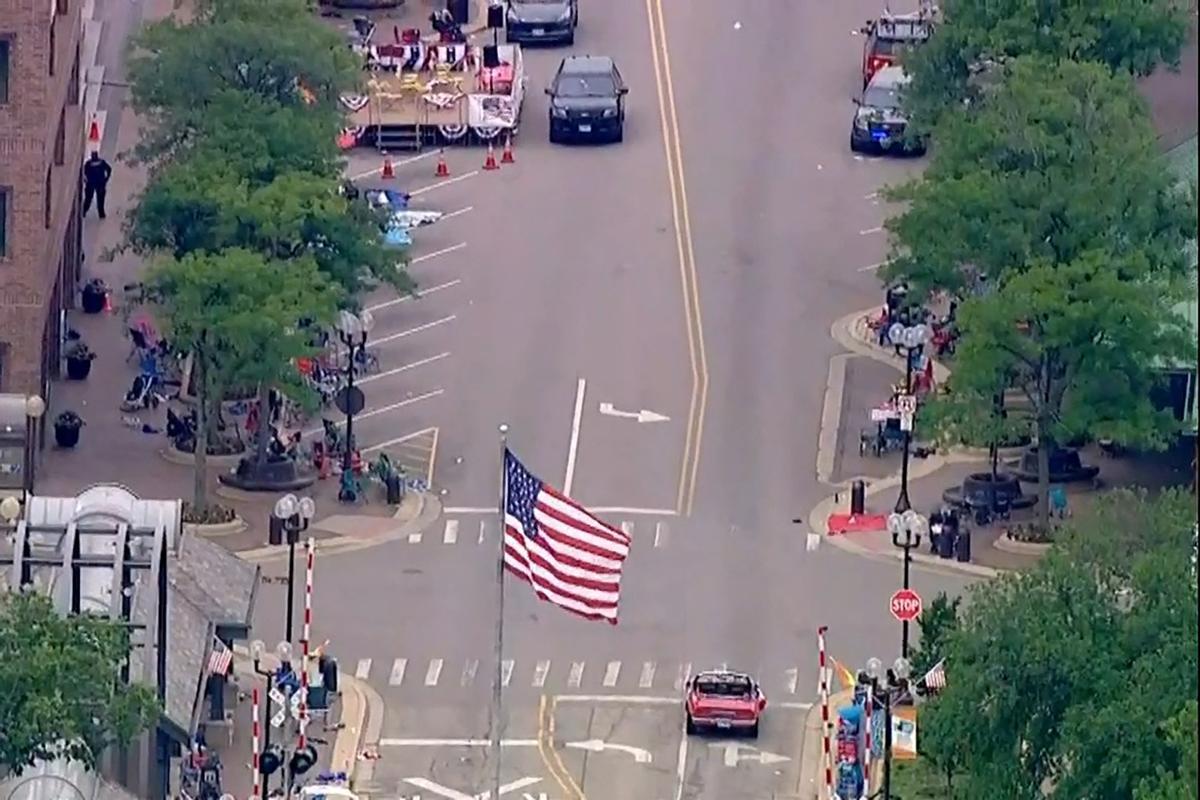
889	36
879	124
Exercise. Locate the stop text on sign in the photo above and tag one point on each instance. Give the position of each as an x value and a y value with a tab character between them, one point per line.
906	605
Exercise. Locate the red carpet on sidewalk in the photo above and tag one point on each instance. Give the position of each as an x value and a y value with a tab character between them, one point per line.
856	523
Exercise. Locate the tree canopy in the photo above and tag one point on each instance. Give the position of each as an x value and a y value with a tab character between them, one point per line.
238	313
61	693
1083	671
1060	160
1123	36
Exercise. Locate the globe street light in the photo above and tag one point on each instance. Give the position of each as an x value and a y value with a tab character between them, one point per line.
912	339
896	677
353	330
35	407
292	515
906	529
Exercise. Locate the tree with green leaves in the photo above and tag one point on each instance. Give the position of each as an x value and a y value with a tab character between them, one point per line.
1123	36
61	692
274	50
1074	674
1178	781
1060	160
238	314
1081	344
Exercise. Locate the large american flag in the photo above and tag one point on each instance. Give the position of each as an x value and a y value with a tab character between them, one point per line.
568	556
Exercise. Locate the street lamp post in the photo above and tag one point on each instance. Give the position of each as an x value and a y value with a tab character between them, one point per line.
353	330
911	339
35	407
899	672
911	526
283	652
293	515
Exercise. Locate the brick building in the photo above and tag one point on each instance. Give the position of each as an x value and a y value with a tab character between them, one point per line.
41	154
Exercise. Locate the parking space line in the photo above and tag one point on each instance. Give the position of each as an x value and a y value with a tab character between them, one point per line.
398	370
573	447
685	672
647	678
444	251
440	184
540	673
363	669
869	231
458	213
393	337
419	294
451	534
469	670
397	676
434	672
382	410
395	165
576	676
871	267
612	673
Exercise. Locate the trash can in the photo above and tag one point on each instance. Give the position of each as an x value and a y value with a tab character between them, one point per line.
459	9
858	497
945	542
962	545
394	488
275	531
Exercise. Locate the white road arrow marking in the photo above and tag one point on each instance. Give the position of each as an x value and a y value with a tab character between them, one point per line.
734	755
599	746
454	794
641	416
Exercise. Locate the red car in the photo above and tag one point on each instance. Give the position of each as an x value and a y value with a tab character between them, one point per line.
724	701
888	37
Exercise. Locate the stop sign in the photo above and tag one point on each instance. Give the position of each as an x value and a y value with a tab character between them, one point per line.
906	605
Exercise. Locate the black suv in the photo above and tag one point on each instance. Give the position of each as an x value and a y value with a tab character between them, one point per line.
587	100
534	21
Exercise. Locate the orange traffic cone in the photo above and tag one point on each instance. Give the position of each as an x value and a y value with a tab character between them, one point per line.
490	161
507	156
389	169
94	132
443	170
108	306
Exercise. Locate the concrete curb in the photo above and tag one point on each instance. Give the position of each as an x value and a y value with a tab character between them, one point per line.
429	508
344	756
363	771
217	530
1006	545
812	771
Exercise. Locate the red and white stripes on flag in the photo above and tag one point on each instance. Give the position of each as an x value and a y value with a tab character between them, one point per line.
570	557
220	660
935	679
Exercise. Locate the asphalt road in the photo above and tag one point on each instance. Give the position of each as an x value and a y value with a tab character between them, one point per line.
694	272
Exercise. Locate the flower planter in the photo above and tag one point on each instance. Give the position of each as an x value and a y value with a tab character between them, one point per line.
91	300
78	368
66	436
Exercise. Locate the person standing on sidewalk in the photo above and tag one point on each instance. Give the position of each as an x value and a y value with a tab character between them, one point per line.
96	173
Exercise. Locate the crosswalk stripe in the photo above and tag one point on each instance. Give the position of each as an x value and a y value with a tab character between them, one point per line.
661	531
469	670
611	673
397	676
451	534
627	528
540	672
482	530
792	677
506	671
414	537
685	672
363	669
575	678
647	679
434	672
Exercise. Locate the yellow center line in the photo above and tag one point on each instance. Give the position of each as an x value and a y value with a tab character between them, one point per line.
687	257
550	757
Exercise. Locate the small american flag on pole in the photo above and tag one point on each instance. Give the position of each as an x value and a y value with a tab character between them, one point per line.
935	679
221	659
568	556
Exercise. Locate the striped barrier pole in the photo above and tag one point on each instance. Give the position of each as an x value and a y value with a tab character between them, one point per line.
306	639
256	743
826	754
869	708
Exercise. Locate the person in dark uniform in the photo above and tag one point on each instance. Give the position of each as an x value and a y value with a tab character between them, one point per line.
96	173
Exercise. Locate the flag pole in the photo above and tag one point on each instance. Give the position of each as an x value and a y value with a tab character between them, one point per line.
498	687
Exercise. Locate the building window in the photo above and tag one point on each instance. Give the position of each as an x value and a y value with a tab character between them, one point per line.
60	140
53	45
49	206
5	198
5	53
73	87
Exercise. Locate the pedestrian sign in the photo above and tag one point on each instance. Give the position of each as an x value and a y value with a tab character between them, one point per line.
279	718
295	705
907	404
